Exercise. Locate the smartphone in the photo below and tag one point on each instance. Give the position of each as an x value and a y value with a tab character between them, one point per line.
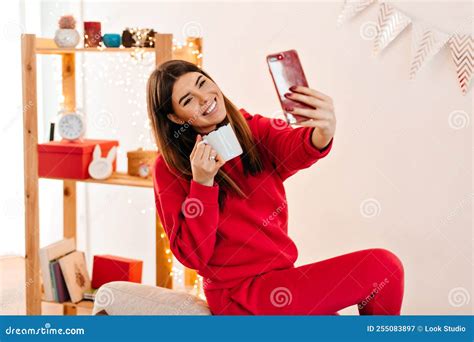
286	70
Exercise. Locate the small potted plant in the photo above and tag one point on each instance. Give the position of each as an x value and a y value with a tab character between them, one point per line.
67	36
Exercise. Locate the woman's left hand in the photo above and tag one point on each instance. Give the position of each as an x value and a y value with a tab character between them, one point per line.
322	117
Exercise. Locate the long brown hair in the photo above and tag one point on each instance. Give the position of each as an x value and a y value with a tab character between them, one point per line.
175	141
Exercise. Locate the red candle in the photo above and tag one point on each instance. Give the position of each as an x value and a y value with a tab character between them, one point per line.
92	34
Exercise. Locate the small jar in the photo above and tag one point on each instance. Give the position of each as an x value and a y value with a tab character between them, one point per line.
112	40
92	34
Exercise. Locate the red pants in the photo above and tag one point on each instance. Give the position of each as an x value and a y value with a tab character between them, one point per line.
372	278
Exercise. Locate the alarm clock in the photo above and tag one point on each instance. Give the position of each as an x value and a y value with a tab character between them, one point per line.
71	125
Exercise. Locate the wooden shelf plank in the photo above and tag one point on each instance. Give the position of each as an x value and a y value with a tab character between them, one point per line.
47	46
83	307
59	51
89	304
117	178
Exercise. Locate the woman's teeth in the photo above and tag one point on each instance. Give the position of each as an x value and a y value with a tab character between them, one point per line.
211	108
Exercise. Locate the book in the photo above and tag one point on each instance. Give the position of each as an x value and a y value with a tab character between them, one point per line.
53	281
61	291
73	267
90	294
49	253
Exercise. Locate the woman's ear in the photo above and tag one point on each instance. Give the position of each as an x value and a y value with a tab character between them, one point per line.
173	117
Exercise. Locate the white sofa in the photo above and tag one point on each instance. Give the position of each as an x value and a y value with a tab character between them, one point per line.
126	298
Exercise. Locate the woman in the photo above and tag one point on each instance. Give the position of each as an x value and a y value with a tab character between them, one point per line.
228	220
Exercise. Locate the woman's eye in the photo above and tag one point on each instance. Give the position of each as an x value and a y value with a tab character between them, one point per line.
202	82
186	102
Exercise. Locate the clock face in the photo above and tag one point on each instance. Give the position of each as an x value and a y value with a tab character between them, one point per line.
71	126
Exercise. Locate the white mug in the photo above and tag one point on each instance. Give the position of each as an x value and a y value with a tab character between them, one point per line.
224	141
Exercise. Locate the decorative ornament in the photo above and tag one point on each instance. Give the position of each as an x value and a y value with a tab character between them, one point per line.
390	23
138	37
112	39
92	34
351	8
140	162
462	51
101	168
426	42
67	36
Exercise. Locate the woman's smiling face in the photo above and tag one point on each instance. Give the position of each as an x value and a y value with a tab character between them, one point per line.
198	101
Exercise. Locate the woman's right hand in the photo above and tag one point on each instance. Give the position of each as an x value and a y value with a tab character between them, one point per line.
203	167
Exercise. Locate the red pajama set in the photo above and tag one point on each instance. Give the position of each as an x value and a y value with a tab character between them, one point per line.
244	253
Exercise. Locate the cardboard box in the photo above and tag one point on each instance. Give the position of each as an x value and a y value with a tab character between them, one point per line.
64	159
107	268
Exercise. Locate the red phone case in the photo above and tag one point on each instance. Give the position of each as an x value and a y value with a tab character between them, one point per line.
286	70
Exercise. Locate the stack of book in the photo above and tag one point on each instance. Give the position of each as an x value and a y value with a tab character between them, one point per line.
64	272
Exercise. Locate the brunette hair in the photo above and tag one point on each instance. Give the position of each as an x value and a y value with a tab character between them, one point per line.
176	141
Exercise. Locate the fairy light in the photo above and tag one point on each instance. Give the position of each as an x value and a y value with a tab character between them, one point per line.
129	73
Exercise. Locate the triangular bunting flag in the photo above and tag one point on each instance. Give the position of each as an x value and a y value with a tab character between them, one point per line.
351	8
426	42
390	23
462	50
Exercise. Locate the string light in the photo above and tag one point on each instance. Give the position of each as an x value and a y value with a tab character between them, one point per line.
129	73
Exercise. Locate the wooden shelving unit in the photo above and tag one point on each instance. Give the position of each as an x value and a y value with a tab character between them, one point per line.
31	46
117	178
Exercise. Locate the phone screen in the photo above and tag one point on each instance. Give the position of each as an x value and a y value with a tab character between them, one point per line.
281	78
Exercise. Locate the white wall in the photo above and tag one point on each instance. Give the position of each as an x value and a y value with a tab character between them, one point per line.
393	142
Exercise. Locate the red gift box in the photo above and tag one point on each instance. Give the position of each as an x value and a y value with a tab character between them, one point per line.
65	159
107	268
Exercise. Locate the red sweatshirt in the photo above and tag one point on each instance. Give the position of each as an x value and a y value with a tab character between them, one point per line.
250	236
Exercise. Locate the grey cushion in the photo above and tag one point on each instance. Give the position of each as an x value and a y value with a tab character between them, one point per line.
126	298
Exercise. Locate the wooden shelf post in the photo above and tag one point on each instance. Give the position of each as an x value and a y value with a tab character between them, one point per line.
69	186
163	53
30	155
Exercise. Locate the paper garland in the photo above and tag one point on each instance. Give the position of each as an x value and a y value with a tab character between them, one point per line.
462	50
426	41
390	23
351	8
